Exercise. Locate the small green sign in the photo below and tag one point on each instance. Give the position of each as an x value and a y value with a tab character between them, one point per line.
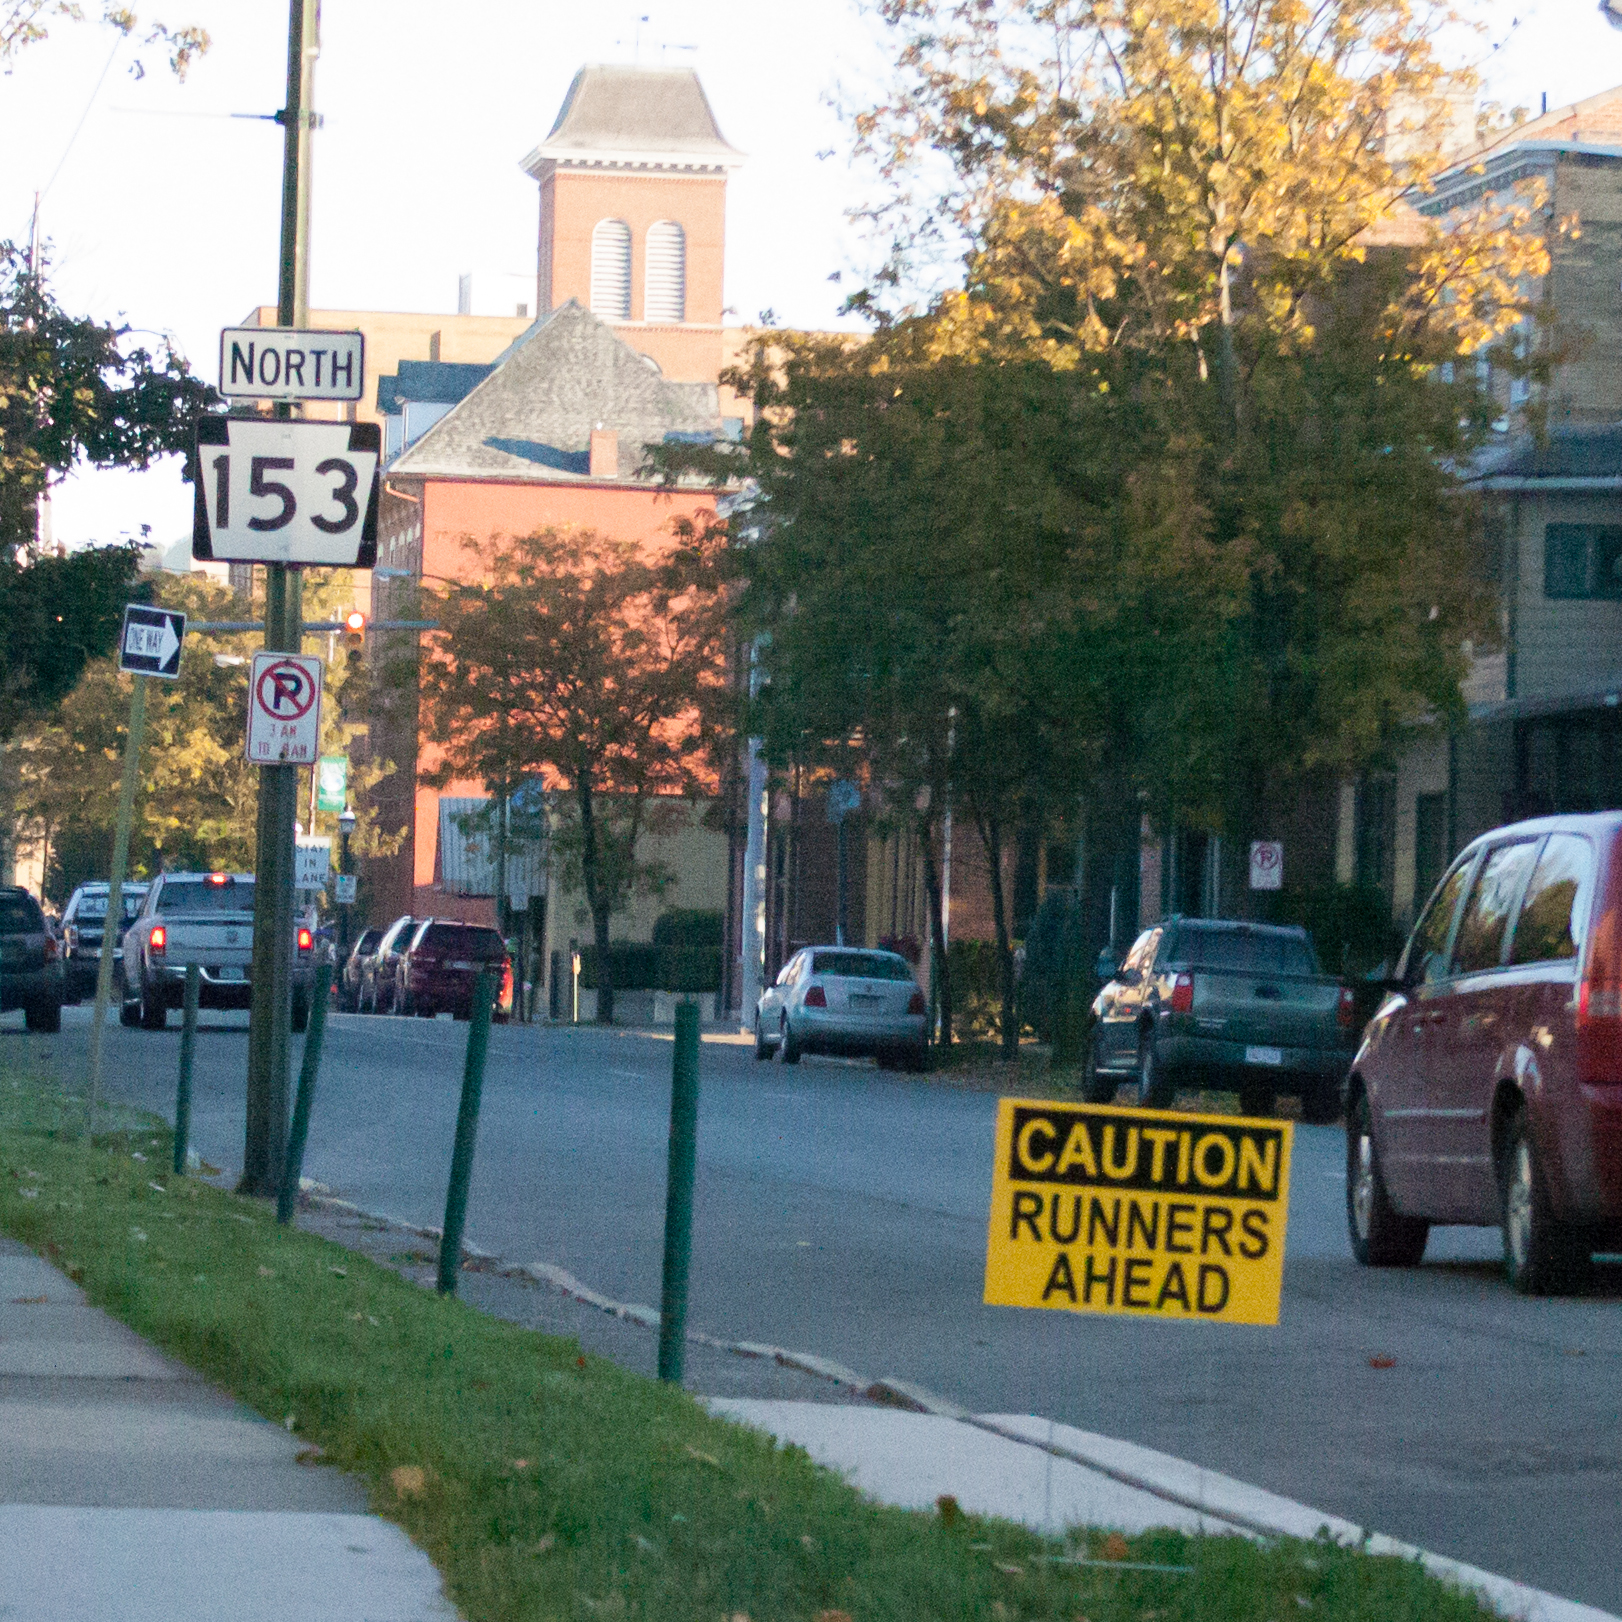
332	782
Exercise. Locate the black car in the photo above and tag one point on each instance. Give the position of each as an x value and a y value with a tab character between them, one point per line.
31	976
354	970
84	922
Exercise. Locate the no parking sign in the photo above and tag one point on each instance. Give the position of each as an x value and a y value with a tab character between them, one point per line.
284	710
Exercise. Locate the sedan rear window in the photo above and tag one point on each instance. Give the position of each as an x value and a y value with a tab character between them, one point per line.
462	940
198	895
95	906
1246	951
19	915
861	965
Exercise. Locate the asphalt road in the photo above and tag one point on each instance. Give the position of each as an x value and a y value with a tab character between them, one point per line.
842	1211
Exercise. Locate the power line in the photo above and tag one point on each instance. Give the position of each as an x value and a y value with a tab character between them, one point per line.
77	128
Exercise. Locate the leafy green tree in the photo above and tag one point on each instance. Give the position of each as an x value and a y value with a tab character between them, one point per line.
598	668
27	22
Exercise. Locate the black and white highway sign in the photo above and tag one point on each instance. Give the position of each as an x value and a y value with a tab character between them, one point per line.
150	645
284	710
271	491
286	363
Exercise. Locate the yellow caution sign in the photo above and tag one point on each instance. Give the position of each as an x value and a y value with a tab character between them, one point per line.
1152	1213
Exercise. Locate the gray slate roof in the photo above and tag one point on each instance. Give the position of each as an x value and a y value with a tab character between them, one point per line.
532	418
1588	452
634	112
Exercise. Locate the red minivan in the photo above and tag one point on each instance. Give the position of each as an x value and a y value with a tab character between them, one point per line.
1488	1087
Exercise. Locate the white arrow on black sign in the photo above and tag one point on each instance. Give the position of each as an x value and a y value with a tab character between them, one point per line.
150	644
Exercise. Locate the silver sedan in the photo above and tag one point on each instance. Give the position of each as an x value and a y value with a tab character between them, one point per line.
838	999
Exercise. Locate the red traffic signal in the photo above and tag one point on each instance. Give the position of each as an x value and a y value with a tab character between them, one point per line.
355	622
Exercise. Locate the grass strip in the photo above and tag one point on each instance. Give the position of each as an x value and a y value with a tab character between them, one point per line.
547	1484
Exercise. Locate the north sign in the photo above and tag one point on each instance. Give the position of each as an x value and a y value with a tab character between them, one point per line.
151	640
284	363
274	491
284	710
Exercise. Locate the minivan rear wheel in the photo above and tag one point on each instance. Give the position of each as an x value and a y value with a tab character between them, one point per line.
1380	1235
1542	1256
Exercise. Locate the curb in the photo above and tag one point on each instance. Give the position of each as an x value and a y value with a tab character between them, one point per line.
1189	1486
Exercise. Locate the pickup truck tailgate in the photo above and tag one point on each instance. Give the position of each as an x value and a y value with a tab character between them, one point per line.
1279	1010
220	942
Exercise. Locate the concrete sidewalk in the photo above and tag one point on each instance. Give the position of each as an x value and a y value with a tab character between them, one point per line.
130	1489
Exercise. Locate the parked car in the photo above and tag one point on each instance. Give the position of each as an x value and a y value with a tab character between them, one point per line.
1488	1089
836	999
349	977
379	983
84	921
439	965
31	976
207	919
1223	1004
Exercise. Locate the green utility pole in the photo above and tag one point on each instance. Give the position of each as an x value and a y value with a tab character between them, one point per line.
683	1154
467	1132
115	893
270	1020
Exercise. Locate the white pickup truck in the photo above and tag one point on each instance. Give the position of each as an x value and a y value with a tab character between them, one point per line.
207	919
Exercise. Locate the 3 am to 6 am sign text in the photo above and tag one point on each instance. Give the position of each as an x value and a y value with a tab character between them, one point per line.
1142	1212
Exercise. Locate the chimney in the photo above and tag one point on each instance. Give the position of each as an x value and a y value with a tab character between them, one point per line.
605	453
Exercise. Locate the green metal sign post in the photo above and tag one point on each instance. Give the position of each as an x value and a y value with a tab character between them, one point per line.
679	1195
467	1132
292	1173
188	1053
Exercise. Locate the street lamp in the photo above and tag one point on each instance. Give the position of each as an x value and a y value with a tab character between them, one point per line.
346	826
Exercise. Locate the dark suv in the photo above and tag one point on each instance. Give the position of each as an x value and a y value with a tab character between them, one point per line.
31	976
438	968
84	922
1488	1088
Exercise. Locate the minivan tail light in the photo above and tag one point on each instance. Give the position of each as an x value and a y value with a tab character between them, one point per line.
1599	1032
306	940
816	997
158	940
1346	1014
916	1004
1182	994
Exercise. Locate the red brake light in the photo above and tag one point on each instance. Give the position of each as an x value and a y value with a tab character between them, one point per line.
506	992
305	940
1599	1033
1182	994
916	1004
1346	1014
816	997
158	940
218	878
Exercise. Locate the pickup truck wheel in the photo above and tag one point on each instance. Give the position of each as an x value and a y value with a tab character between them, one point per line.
129	1014
154	1015
1380	1236
45	1017
1320	1102
1156	1090
1542	1256
1097	1086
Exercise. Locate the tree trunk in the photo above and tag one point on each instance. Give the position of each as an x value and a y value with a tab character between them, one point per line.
937	923
597	903
991	836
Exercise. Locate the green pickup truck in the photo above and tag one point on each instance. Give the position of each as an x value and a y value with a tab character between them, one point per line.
1213	1003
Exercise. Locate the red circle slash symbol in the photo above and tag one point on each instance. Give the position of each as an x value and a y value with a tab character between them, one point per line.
285	691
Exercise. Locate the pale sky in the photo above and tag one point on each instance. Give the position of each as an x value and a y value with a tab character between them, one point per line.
164	211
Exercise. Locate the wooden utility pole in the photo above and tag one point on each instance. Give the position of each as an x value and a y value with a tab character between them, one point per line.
270	1021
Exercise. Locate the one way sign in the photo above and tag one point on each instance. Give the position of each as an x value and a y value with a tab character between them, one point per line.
151	642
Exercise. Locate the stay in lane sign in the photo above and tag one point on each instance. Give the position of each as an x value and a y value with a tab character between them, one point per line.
150	645
284	710
1147	1213
267	490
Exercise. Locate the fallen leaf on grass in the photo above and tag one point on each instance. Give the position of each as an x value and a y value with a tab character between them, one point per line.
833	1616
646	1546
703	1458
409	1480
1382	1362
137	1155
158	1188
580	1362
1115	1548
291	1422
1008	1568
544	1545
309	1455
138	1235
267	1272
342	1272
809	1541
28	1193
520	1464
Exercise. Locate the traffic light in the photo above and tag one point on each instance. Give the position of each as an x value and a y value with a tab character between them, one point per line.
354	628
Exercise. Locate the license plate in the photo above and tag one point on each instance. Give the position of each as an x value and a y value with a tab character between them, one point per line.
1264	1055
461	965
228	974
866	998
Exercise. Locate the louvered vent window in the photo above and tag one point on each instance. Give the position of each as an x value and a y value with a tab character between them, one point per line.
611	270
667	272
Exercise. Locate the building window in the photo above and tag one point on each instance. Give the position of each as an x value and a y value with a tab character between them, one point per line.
611	270
1430	844
1375	826
1582	560
666	298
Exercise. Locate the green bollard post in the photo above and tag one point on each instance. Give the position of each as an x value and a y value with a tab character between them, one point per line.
679	1195
287	1193
188	1050
467	1131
